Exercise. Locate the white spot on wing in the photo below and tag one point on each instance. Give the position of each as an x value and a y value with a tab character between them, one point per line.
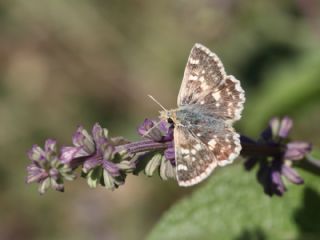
194	61
216	96
212	143
182	167
185	151
193	77
200	177
198	146
204	86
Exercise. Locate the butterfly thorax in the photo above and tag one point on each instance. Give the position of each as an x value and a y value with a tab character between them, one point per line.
192	115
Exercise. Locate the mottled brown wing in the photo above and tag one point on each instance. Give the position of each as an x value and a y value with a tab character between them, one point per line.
204	72
194	160
205	83
224	144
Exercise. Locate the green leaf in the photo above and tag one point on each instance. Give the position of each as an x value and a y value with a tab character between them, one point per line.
287	88
311	163
316	153
232	205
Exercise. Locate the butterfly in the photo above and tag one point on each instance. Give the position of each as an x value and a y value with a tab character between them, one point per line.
209	101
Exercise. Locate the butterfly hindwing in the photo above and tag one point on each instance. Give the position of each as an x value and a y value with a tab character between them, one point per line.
227	102
194	161
224	144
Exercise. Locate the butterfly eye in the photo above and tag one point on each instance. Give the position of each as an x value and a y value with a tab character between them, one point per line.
170	120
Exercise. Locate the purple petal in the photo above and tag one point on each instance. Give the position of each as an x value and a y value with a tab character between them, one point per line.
111	168
166	129
81	138
291	175
36	153
77	138
145	126
91	163
147	130
108	153
70	153
297	150
102	145
54	173
277	182
285	127
98	132
163	126
274	124
50	146
35	174
169	154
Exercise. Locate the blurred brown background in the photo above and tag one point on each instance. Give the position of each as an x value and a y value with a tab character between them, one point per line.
65	63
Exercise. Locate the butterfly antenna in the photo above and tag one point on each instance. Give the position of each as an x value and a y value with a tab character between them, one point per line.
157	102
157	123
154	126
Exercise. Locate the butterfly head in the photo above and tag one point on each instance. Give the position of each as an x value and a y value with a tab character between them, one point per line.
169	116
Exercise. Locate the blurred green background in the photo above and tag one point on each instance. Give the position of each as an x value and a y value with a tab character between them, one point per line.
65	63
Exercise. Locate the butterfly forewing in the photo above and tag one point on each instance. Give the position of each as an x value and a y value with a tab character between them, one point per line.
206	83
203	74
194	160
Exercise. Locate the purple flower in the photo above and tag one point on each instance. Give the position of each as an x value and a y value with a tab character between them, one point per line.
161	131
96	152
84	146
46	168
157	131
278	165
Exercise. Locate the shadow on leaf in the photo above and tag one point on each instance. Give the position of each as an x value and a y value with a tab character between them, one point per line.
256	234
307	217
